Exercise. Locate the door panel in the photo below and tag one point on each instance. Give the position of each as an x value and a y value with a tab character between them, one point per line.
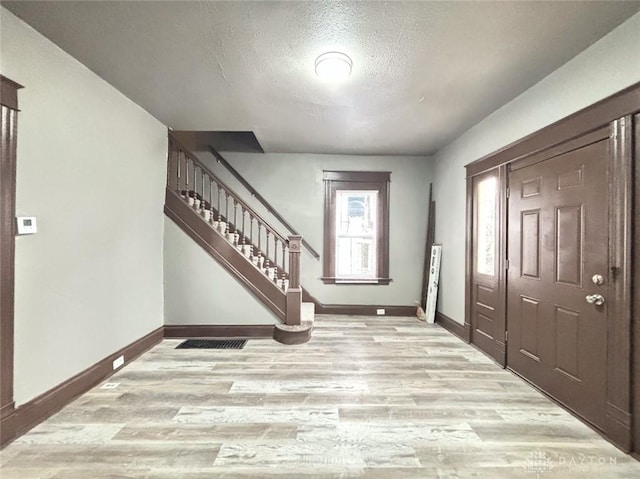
530	243
487	294
529	312
569	245
557	240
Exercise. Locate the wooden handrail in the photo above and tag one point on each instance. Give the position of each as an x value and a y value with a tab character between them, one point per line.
230	191
261	199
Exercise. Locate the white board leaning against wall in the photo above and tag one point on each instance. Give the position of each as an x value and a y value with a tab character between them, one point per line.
434	274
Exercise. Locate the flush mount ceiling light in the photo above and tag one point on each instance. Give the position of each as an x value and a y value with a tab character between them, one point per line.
333	66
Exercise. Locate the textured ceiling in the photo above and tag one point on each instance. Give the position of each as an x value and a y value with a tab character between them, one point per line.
423	72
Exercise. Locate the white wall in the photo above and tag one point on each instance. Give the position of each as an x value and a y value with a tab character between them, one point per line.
198	290
293	184
608	66
91	168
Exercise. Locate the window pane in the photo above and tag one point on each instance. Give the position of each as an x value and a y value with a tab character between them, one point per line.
486	208
356	212
355	257
356	229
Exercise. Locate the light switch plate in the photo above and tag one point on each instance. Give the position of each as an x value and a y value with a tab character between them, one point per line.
27	225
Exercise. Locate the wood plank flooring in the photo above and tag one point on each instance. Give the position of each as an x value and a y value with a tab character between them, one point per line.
367	397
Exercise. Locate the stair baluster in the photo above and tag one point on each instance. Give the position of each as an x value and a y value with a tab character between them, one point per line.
201	203
194	193
251	236
236	235
216	224
211	210
260	257
275	260
266	257
186	177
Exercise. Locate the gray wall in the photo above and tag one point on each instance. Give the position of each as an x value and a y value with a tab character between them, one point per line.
610	65
293	184
91	168
197	290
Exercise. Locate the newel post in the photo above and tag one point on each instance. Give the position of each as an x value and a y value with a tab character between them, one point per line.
294	292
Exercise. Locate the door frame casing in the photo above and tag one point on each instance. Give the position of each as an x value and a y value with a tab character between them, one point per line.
9	100
636	291
613	116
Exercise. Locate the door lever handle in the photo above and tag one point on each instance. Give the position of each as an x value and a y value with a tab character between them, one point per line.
596	299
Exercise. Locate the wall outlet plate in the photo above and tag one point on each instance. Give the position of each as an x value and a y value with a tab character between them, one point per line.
118	362
380	312
26	225
109	385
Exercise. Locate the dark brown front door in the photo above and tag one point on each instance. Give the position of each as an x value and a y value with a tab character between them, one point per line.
557	242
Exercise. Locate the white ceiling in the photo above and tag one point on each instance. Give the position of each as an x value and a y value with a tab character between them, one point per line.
423	72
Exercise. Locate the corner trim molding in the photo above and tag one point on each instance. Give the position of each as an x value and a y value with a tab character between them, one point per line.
32	413
218	330
463	331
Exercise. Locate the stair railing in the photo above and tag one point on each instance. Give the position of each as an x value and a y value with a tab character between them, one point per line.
276	256
220	159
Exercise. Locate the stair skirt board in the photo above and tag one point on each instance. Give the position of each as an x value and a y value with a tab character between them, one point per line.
212	344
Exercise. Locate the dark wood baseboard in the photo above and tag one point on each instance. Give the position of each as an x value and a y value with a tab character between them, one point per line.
357	309
32	413
219	331
463	331
365	309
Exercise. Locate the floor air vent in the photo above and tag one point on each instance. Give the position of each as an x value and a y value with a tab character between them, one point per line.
212	344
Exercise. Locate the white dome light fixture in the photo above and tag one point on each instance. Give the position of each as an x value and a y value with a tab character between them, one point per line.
333	66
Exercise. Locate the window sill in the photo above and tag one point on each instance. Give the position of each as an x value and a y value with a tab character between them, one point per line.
355	281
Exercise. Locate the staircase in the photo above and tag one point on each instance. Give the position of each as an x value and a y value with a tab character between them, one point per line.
240	239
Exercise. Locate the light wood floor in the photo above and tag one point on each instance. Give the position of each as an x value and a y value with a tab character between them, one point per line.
367	397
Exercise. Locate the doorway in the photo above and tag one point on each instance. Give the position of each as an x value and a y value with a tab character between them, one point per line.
549	288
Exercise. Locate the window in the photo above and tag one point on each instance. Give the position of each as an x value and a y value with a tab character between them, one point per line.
486	200
356	227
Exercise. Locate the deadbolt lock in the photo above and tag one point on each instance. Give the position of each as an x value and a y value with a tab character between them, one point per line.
596	299
597	279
